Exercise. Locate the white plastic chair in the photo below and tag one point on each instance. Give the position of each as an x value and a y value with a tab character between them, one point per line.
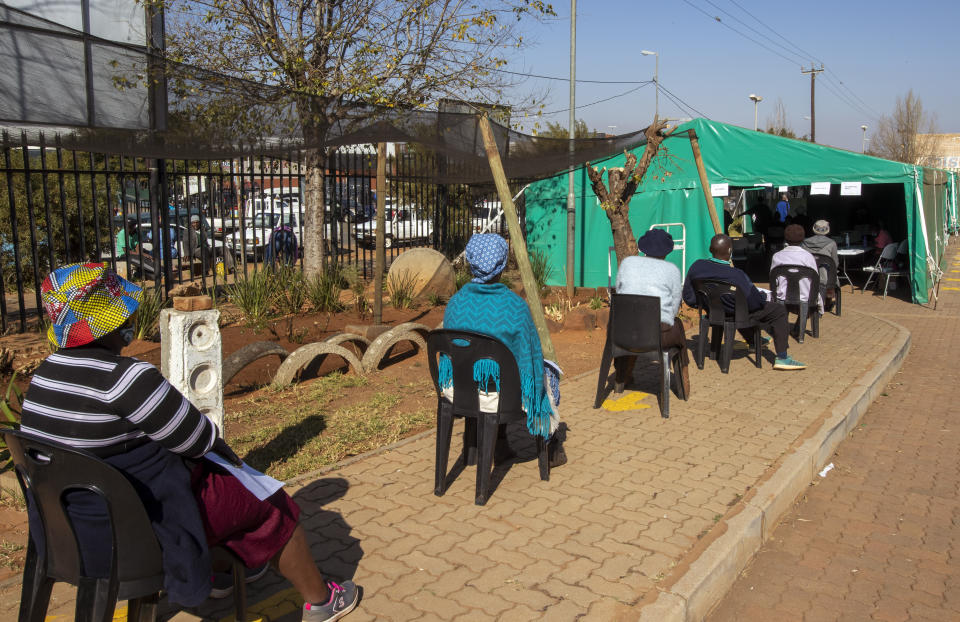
885	267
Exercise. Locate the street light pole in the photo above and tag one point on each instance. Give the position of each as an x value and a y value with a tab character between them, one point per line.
863	145
656	80
756	99
571	198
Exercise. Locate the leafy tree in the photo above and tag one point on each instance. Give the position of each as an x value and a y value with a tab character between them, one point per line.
558	130
333	63
904	136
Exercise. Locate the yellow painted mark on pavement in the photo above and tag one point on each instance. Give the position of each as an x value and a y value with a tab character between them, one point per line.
277	606
119	615
629	401
950	289
946	278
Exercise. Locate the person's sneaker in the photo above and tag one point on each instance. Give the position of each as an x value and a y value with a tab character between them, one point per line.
765	340
788	363
343	599
221	583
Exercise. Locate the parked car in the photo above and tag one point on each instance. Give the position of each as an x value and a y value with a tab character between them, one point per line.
403	226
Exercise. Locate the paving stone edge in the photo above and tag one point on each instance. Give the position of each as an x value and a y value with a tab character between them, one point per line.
711	574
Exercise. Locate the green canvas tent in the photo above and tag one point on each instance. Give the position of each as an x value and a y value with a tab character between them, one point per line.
671	197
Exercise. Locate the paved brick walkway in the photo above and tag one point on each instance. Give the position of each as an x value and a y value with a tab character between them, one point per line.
636	496
878	537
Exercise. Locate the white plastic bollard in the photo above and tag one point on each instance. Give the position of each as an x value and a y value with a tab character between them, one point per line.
191	358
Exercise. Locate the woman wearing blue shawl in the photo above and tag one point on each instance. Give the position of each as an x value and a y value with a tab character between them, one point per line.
485	306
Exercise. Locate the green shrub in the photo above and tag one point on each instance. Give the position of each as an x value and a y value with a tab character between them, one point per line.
148	314
255	295
400	287
11	417
596	302
436	300
323	290
540	265
462	276
291	290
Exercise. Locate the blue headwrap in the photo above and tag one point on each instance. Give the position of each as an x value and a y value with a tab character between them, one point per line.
487	256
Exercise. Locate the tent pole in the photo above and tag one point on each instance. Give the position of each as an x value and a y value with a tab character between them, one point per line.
704	182
516	239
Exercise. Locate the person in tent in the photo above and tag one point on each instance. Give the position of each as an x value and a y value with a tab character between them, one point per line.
783	208
88	395
485	306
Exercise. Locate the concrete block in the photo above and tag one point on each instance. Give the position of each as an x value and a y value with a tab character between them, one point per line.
368	331
775	496
711	575
191	358
667	608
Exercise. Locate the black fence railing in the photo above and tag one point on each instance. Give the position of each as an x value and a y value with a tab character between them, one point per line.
163	222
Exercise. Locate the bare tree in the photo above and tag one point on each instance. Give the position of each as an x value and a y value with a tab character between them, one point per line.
622	184
340	61
905	136
777	123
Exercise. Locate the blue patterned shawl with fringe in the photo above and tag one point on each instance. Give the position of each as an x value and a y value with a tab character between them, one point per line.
492	309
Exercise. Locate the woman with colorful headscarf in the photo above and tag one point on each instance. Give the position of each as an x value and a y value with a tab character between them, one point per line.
89	396
485	306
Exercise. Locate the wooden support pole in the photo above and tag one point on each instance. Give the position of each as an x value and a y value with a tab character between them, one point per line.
516	240
380	258
704	182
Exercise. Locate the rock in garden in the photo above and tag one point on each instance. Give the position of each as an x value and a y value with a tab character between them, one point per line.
185	289
431	271
193	303
580	318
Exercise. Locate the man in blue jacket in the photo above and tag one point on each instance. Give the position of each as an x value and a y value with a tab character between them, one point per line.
761	308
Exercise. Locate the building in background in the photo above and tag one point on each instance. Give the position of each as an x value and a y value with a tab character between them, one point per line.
943	151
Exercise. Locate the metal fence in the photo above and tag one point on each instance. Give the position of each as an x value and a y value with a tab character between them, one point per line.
62	206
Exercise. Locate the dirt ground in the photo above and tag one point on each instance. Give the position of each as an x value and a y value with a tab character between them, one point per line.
578	350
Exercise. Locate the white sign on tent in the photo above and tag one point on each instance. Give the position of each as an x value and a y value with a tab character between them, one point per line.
850	188
719	190
820	187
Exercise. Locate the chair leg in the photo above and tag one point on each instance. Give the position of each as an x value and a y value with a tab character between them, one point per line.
700	353
35	593
716	341
802	322
543	459
239	590
487	429
665	384
837	302
758	347
605	359
726	347
96	600
815	321
470	440
444	432
144	609
886	284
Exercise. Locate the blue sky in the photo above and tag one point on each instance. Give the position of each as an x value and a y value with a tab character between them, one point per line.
878	50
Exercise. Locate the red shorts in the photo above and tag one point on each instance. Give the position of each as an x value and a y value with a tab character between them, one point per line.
254	530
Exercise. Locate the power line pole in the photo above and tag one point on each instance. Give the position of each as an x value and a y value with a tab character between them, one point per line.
571	198
813	71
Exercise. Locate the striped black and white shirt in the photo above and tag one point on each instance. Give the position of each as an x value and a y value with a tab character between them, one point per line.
92	399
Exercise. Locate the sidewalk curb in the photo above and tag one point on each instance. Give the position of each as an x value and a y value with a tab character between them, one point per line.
711	574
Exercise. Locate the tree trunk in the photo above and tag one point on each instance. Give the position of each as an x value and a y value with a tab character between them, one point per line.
315	164
623	182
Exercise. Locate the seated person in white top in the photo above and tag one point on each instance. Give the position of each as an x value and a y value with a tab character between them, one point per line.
793	254
650	274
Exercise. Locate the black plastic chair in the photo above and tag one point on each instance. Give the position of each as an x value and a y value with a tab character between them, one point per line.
480	431
46	472
805	308
633	330
826	267
714	299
